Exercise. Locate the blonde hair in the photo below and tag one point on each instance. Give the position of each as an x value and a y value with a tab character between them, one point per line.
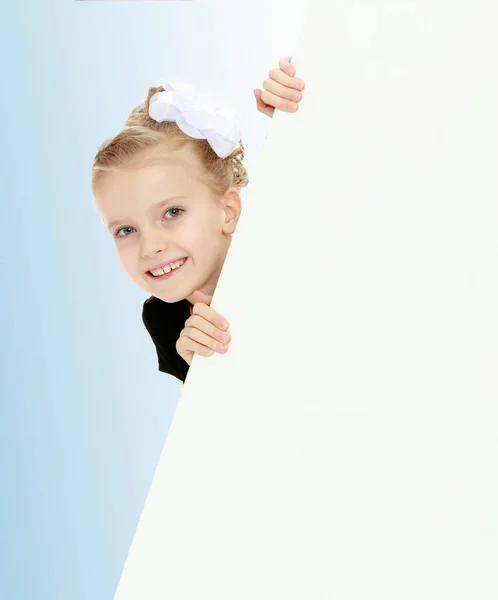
142	133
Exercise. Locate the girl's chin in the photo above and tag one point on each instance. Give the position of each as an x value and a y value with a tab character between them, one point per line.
172	296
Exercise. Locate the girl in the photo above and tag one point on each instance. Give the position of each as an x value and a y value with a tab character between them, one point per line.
167	187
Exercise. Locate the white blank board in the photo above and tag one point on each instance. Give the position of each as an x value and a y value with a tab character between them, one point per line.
346	447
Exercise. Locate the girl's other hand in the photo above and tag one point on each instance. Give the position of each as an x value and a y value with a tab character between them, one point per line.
282	90
204	331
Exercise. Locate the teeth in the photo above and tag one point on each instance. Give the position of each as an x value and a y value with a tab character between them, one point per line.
167	268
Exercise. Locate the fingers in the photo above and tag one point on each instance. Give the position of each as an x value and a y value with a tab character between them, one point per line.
285	64
203	341
199	296
278	102
207	328
273	86
266	109
285	80
205	332
209	314
281	90
187	347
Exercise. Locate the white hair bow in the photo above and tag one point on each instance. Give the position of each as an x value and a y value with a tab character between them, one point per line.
197	115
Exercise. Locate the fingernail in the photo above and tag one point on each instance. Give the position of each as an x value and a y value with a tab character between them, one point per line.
224	325
224	337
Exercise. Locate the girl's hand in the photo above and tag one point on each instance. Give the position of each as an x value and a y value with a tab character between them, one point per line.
204	331
282	90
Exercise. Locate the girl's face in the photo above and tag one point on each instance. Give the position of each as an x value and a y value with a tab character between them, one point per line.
163	213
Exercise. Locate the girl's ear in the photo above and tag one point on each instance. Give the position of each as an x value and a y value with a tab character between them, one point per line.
232	206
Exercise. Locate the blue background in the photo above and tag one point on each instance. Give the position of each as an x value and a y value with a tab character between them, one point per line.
84	411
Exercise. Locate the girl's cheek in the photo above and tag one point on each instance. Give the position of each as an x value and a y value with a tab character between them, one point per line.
126	259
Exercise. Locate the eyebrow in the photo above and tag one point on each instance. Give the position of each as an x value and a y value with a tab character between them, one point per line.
153	208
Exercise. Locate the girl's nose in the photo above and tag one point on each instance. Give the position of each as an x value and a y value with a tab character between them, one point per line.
153	243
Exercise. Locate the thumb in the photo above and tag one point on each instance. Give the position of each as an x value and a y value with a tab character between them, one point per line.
199	296
264	108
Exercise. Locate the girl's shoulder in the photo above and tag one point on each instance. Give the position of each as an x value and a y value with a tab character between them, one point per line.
157	314
164	321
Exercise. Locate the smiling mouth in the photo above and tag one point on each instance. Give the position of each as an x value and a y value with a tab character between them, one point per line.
167	270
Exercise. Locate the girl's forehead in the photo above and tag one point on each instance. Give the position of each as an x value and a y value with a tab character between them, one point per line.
134	192
147	182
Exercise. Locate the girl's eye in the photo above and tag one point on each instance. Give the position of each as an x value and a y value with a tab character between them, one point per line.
126	230
177	210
